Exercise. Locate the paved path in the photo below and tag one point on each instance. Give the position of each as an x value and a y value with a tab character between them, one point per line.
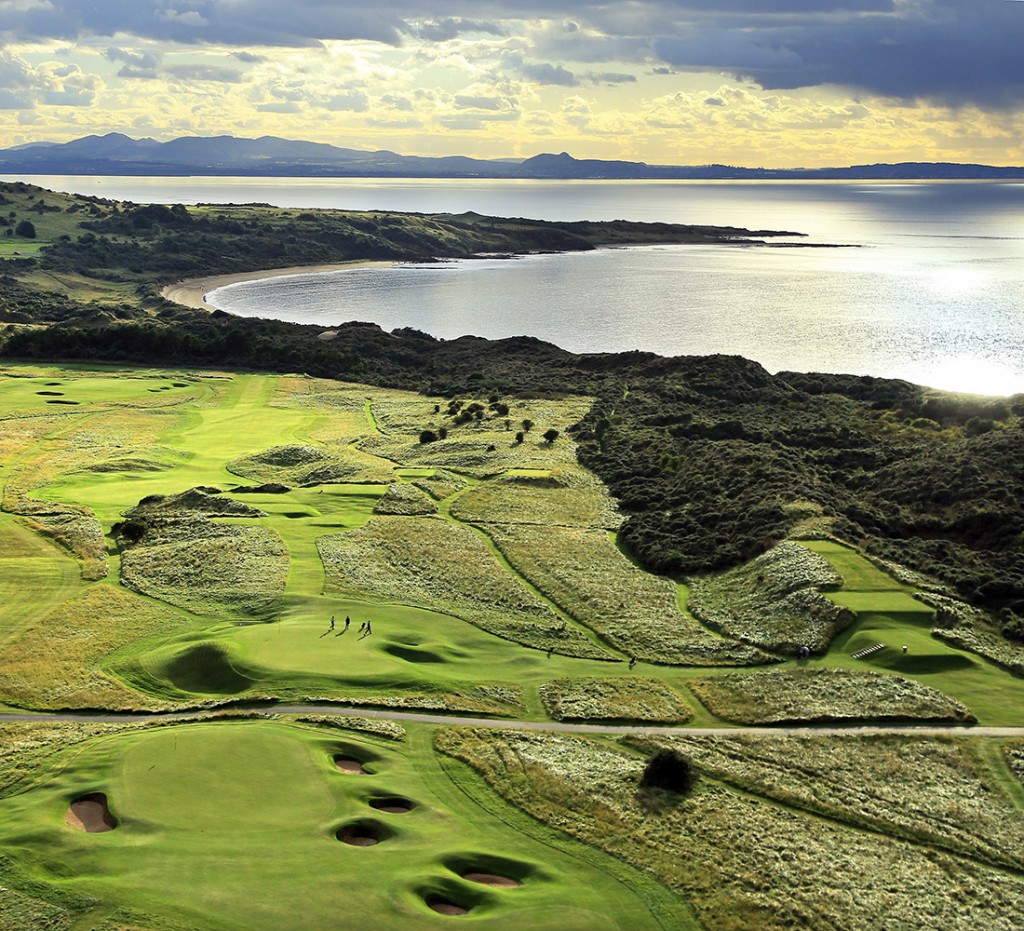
865	730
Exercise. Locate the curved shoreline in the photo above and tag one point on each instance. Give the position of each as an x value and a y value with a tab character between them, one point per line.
191	292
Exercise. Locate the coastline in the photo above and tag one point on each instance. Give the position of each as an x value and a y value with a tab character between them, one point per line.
191	292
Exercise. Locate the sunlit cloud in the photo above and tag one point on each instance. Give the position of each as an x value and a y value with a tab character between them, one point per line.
772	82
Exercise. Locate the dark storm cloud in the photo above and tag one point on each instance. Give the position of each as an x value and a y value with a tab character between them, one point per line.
952	51
227	22
451	28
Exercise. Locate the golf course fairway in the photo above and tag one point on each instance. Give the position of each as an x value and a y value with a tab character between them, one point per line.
283	652
235	825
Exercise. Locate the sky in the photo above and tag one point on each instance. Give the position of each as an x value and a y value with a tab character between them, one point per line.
772	83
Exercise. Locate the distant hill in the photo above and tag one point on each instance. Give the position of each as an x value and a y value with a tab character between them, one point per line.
268	156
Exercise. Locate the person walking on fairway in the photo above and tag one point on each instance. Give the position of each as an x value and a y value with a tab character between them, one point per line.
368	629
348	621
332	622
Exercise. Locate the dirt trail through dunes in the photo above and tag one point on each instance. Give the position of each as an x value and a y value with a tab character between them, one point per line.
862	730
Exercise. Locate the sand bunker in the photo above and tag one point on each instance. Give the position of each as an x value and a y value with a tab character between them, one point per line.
393	806
359	835
491	879
445	907
348	765
90	813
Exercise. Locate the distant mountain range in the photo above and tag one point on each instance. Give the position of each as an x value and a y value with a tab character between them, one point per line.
116	154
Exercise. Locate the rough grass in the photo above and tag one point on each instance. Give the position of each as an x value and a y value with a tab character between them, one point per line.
566	497
962	625
824	695
57	663
928	790
402	499
191	504
75	443
401	418
589	578
294	465
741	861
774	600
228	569
620	699
441	484
444	567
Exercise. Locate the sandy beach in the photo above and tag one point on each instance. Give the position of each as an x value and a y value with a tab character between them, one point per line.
192	291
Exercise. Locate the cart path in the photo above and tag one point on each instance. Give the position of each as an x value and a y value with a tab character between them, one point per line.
386	714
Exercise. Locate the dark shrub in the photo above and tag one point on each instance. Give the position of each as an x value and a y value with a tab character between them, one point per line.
670	771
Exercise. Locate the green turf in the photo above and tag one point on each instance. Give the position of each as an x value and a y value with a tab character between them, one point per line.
888	614
36	576
233	825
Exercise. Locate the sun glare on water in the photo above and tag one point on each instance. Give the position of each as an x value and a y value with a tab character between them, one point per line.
971	375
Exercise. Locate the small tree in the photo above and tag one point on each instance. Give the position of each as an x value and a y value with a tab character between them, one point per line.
551	435
670	771
428	436
527	424
25	229
519	437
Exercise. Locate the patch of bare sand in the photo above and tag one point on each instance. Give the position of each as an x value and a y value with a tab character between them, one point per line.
90	813
491	879
348	765
191	292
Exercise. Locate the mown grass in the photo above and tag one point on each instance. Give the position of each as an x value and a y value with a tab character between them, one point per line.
233	824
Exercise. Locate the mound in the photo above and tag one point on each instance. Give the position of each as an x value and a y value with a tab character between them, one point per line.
774	601
288	456
205	669
404	499
90	813
196	502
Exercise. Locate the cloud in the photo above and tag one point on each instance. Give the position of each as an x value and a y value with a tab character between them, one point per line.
197	22
444	30
137	65
608	77
61	84
545	73
204	73
954	52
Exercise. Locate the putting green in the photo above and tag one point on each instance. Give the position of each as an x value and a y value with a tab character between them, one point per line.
237	824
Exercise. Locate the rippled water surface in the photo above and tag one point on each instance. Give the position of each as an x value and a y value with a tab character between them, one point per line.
929	286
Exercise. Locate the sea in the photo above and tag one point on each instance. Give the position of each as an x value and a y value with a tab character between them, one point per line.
921	281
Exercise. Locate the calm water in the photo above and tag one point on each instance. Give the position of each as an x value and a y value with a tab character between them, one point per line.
934	291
